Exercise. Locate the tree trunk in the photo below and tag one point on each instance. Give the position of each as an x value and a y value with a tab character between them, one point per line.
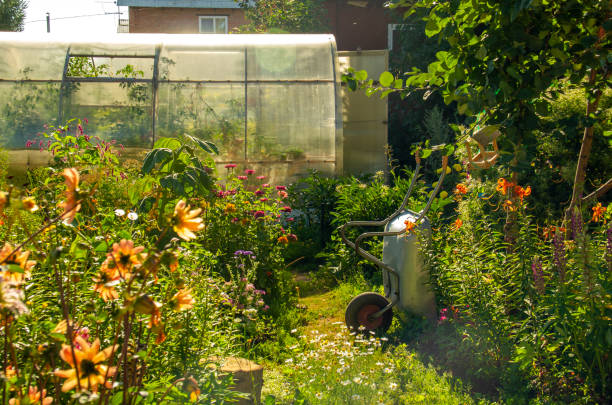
585	152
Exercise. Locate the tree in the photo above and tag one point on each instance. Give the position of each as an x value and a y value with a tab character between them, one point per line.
289	16
507	59
12	14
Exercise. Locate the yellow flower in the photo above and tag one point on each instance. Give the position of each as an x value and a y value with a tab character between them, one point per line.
105	286
598	212
72	204
88	371
4	199
122	260
185	222
182	300
18	258
29	204
34	397
192	388
229	208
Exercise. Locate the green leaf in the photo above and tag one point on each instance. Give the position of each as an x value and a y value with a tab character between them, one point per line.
361	75
432	27
204	145
482	53
386	79
425	153
13	268
154	157
165	142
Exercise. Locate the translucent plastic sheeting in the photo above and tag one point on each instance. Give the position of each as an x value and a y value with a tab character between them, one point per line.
266	100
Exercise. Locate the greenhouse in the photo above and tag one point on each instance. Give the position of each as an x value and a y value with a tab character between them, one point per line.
271	101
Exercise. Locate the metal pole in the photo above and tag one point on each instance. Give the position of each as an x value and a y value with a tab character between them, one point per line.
246	106
48	22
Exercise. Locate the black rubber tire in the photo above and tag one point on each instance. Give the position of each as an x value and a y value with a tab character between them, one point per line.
363	302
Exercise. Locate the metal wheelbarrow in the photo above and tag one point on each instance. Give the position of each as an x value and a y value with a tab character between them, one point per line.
404	274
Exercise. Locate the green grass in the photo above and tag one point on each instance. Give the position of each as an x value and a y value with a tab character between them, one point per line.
331	366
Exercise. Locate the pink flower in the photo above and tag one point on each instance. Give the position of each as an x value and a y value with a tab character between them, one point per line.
265	185
259	192
259	214
249	171
291	219
292	237
282	194
241	177
286	209
263	199
281	188
261	177
230	165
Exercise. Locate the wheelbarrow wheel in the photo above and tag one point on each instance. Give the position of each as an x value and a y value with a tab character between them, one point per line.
358	315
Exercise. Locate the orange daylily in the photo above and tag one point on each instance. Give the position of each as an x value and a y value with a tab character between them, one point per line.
19	258
508	206
72	204
186	221
598	212
88	371
457	224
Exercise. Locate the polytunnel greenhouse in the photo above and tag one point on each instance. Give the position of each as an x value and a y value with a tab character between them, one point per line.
265	100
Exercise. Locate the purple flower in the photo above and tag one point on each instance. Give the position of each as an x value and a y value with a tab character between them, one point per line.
576	225
281	188
559	259
259	192
538	275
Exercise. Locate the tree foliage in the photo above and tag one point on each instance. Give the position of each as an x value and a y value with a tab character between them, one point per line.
285	16
12	14
507	60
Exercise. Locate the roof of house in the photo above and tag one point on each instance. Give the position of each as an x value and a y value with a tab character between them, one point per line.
180	3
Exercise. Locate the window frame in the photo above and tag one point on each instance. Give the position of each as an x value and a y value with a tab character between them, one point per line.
214	18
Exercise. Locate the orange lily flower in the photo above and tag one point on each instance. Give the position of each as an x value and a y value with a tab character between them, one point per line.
409	226
598	212
521	192
503	185
457	224
461	189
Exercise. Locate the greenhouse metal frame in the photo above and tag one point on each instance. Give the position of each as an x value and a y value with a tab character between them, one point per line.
264	99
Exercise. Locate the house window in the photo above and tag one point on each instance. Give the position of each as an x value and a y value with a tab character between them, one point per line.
213	24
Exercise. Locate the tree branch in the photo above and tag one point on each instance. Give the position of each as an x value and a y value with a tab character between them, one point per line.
599	192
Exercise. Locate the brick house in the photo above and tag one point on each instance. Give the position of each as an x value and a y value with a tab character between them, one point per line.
356	24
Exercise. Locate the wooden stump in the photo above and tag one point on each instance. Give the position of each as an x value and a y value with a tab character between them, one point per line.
248	378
